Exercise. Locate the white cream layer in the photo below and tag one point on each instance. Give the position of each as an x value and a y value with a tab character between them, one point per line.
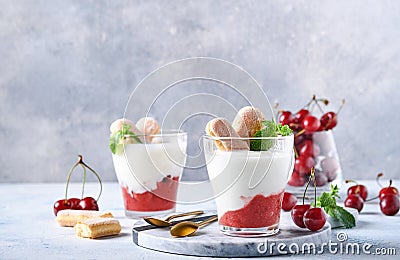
141	166
237	176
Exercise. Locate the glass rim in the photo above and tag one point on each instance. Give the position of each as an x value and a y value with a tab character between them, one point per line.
216	138
163	133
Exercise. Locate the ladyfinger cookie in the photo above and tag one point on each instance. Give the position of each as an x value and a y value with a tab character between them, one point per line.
148	126
248	121
97	227
69	217
220	127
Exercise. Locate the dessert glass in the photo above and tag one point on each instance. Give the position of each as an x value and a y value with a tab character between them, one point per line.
149	173
248	186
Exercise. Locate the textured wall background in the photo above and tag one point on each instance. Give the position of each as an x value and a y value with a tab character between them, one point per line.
67	68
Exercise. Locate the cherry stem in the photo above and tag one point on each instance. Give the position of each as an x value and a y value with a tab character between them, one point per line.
300	133
309	103
374	198
315	186
305	191
341	106
97	175
84	180
69	178
296	154
319	107
377	179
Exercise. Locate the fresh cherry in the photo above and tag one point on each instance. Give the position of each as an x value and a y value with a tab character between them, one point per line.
309	148
314	219
390	190
390	204
330	167
74	202
354	201
297	214
288	201
296	179
357	189
61	205
300	115
88	203
311	124
285	118
303	164
328	120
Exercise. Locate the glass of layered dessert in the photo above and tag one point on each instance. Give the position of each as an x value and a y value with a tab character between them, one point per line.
248	163
148	163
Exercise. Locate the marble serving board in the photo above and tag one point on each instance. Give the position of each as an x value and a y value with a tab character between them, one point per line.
209	241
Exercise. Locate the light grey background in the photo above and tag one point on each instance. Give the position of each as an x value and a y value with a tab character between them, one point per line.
68	67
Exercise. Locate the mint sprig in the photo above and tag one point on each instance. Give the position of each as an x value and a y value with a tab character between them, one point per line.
118	138
269	129
328	202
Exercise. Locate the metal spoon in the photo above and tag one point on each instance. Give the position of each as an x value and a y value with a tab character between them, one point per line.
187	228
166	222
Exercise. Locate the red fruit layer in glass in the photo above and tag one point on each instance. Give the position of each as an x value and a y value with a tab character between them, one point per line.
161	198
260	211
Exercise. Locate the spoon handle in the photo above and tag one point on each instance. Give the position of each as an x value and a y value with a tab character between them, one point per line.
184	214
207	221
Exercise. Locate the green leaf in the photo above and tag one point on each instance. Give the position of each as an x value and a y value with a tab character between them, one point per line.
268	130
284	130
117	138
345	217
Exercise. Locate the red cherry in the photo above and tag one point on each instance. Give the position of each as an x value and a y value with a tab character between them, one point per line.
61	205
297	214
357	189
285	118
303	164
390	204
299	116
311	124
314	219
388	191
328	120
354	201
88	203
74	202
288	201
296	180
309	148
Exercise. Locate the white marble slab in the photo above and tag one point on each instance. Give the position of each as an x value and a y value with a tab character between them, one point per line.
209	241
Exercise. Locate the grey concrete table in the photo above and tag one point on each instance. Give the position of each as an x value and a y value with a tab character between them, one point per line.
28	229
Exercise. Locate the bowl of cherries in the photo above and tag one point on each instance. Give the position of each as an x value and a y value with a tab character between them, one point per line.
84	203
314	144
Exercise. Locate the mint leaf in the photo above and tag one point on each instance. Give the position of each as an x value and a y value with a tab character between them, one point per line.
117	138
345	217
328	202
284	130
268	130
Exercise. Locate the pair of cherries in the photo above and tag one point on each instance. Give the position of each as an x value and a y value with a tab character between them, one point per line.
87	203
304	215
389	200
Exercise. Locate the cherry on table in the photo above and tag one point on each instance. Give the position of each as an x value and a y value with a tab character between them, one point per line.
314	219
288	201
297	214
61	205
88	203
357	189
390	204
390	190
354	201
